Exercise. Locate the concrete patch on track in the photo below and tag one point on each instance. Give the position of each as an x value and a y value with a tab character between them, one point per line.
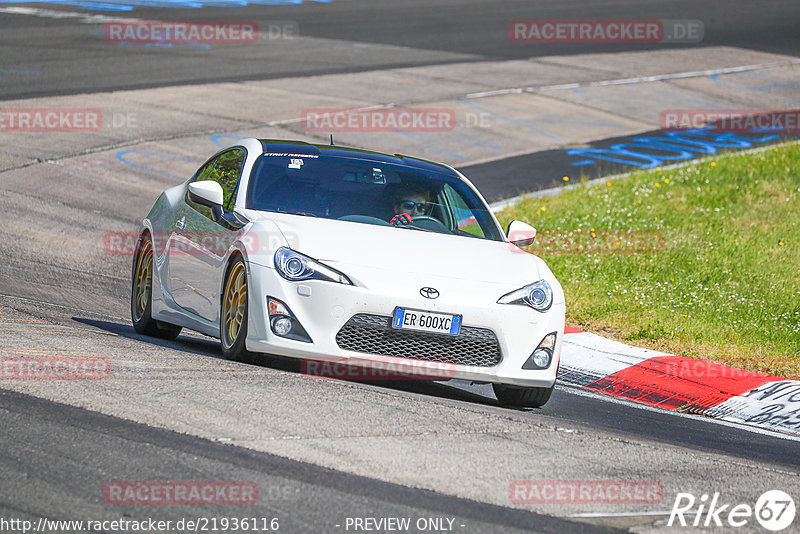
524	120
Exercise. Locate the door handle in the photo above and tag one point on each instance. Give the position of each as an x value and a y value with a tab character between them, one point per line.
180	224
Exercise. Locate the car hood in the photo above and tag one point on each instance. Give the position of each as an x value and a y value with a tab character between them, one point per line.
349	245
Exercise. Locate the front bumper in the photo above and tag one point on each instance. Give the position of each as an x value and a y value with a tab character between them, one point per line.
323	309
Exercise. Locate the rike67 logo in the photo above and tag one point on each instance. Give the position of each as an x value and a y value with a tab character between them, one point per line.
774	510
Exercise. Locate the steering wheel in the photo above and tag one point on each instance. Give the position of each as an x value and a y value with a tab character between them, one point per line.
431	224
416	218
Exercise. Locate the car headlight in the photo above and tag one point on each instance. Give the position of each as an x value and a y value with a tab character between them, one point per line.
538	295
295	267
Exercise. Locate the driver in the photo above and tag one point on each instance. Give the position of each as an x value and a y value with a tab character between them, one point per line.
410	203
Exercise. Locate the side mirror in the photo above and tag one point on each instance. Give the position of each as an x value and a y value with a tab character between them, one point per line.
520	233
206	193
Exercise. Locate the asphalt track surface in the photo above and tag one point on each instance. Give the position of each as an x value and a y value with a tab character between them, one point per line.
72	59
59	450
303	497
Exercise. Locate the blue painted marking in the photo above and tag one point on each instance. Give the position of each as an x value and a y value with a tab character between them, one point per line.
162	44
166	45
683	144
15	71
215	139
615	156
767	129
476	141
625	101
680	98
130	5
122	153
760	89
555	117
399	316
518	122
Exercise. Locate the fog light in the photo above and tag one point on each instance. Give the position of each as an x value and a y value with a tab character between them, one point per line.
282	326
284	323
541	357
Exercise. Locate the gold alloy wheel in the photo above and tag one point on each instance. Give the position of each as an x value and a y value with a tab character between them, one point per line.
234	304
144	280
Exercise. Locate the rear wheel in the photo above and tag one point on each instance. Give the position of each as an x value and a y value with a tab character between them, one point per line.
522	397
234	313
142	294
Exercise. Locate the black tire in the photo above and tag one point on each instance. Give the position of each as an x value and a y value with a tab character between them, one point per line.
522	397
142	294
233	343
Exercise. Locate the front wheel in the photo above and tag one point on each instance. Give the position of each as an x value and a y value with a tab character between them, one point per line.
234	313
142	294
522	397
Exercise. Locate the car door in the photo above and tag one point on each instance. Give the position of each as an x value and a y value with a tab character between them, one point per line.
198	243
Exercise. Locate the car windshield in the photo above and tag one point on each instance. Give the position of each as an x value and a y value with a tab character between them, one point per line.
368	192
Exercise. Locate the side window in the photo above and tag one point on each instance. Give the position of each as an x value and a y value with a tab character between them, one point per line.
226	170
463	219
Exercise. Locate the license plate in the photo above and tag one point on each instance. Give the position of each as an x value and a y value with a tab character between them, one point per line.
423	321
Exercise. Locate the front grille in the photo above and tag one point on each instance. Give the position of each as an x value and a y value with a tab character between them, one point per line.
373	334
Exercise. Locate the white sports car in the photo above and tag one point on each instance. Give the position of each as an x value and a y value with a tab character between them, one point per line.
372	260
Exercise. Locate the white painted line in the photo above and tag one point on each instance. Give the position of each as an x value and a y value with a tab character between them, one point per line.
86	18
637	79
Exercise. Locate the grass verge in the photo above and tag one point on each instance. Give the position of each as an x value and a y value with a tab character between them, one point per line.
701	261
